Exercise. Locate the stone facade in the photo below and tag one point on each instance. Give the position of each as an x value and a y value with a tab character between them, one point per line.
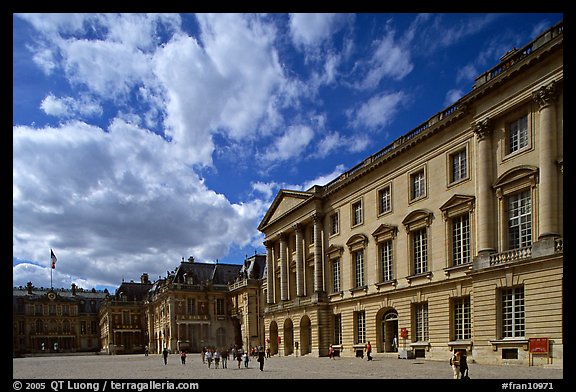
48	320
448	238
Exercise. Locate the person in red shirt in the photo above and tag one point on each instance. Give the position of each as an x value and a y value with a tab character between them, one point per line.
369	351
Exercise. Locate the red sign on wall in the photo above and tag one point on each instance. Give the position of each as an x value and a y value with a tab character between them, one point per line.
403	333
538	345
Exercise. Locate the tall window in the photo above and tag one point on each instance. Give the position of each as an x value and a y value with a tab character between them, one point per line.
461	240
357	213
191	306
359	268
513	319
360	327
220	307
334	224
459	166
384	200
386	260
417	185
421	321
221	339
462	318
420	251
519	211
337	329
336	275
518	134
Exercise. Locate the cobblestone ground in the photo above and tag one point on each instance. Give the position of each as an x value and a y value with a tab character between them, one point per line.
152	368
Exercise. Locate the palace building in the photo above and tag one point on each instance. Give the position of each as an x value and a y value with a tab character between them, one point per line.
48	320
450	237
206	305
122	321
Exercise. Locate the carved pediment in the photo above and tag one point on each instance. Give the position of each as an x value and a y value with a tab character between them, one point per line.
284	202
517	174
385	231
357	240
457	204
418	217
334	251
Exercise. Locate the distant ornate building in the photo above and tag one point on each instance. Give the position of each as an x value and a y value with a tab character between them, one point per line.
123	328
450	237
193	306
55	320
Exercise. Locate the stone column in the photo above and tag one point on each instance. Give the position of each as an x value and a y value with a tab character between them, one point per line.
485	197
171	344
269	272
546	97
283	269
318	254
299	261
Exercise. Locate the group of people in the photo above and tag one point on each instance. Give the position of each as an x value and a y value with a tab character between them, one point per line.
459	365
214	356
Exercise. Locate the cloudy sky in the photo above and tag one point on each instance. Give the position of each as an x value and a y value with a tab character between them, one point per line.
139	139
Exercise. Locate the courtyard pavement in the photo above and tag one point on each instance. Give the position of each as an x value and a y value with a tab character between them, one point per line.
140	367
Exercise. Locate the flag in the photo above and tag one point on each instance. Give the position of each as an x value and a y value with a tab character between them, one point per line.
54	259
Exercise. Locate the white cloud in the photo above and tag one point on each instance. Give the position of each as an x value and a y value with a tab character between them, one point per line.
228	83
312	29
325	178
389	59
70	107
105	194
291	144
109	69
453	96
240	49
378	111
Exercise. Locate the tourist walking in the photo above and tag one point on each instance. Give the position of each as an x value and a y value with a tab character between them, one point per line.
239	357
463	366
183	357
165	355
246	358
369	351
261	357
455	363
209	357
216	359
224	356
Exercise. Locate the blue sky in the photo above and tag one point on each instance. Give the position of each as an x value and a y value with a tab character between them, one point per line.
139	139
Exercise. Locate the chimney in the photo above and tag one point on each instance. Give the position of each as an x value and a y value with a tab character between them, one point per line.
29	287
144	278
73	288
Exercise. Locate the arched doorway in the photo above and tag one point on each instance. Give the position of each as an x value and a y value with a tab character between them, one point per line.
390	330
305	345
288	337
273	338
